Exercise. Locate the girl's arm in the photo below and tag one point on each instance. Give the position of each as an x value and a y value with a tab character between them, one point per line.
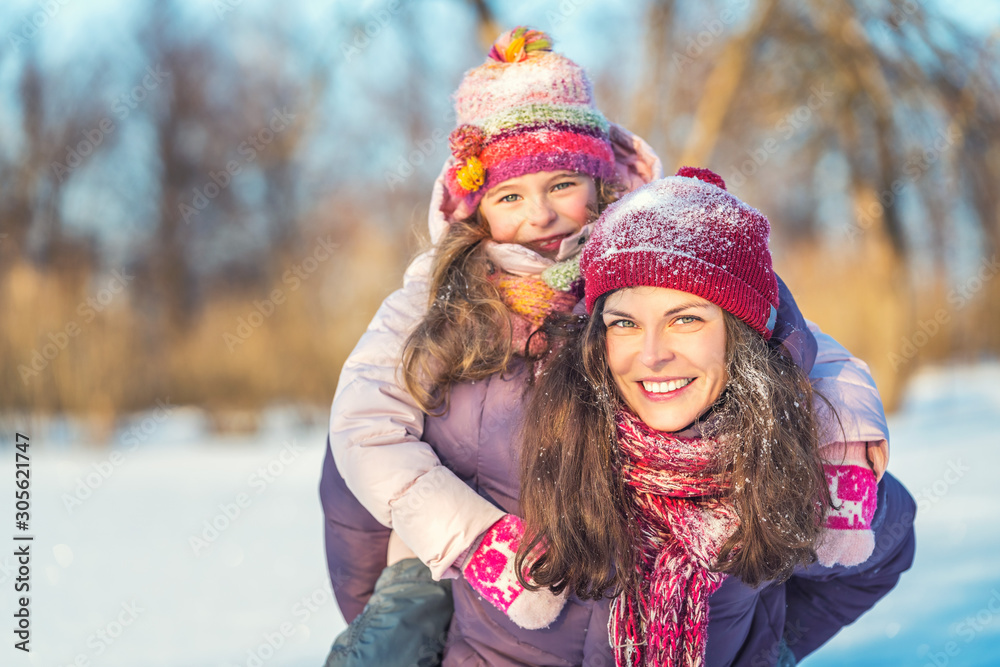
375	438
847	383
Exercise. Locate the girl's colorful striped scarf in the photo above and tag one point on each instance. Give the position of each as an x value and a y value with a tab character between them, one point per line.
532	298
683	523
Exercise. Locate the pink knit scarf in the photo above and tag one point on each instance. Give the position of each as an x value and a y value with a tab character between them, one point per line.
683	523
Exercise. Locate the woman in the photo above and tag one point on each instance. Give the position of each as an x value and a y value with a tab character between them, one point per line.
672	456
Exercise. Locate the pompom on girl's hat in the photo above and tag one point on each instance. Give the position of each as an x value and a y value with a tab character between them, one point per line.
686	232
525	110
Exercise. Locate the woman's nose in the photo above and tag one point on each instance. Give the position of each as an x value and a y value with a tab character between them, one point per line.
656	349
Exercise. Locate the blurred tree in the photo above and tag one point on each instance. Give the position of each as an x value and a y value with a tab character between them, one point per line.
56	126
859	77
487	22
229	130
876	111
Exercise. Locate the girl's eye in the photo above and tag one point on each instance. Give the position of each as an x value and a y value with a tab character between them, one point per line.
510	198
622	324
563	185
687	319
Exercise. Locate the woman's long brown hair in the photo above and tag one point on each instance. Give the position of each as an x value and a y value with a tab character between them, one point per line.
466	334
577	511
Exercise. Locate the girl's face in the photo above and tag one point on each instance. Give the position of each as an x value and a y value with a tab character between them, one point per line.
540	210
667	353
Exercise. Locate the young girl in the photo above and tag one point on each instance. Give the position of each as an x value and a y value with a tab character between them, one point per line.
428	404
428	450
668	446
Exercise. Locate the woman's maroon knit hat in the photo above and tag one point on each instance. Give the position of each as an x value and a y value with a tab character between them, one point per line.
686	232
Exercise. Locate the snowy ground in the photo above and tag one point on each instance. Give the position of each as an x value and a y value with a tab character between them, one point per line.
126	571
946	609
137	550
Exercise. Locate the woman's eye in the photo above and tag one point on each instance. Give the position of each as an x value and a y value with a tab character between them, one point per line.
687	319
623	324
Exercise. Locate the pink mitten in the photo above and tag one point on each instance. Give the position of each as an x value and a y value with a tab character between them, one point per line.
490	571
848	538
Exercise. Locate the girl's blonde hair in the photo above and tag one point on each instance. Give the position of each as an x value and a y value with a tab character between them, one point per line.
466	334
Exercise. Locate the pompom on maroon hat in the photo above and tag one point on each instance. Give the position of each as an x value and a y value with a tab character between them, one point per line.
687	233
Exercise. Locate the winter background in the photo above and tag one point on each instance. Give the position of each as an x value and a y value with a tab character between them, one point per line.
188	533
211	548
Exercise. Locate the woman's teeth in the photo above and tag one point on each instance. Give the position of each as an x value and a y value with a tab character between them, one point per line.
665	387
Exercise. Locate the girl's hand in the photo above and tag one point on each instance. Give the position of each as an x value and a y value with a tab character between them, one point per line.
490	571
848	538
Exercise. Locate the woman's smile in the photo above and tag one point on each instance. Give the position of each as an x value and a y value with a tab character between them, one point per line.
664	389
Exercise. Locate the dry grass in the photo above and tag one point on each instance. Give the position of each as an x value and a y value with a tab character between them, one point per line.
872	306
119	359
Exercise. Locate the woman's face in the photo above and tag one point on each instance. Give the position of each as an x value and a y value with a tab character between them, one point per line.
667	353
540	210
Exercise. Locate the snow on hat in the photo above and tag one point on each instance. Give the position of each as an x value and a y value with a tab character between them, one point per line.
687	233
525	110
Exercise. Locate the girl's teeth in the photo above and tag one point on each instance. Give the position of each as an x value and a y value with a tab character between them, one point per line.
665	387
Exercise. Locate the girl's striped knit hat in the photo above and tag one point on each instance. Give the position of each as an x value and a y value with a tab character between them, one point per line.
525	110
